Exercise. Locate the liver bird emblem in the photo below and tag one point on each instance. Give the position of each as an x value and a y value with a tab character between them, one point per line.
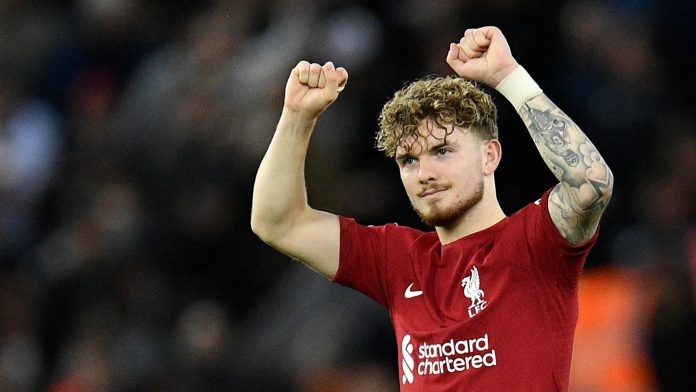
472	288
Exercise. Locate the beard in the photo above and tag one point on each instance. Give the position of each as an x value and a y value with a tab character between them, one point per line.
448	215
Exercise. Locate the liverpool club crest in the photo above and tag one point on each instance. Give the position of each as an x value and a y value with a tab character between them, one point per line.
472	290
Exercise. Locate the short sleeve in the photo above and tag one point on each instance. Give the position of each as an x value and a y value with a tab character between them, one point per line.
550	251
363	260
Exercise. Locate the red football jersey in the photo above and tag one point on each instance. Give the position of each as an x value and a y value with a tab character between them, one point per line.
492	311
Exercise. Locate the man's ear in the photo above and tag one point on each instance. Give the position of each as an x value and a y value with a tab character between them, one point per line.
492	153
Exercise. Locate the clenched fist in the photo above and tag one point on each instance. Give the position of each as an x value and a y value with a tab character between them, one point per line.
311	88
483	55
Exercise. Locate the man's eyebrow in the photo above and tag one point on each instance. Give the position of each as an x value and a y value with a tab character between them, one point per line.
408	154
403	155
443	143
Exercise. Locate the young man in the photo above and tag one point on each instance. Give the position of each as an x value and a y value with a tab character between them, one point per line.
486	302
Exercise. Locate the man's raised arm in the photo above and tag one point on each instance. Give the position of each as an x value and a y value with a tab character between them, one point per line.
585	181
280	213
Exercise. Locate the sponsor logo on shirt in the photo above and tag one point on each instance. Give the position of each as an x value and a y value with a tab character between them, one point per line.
441	358
407	363
472	290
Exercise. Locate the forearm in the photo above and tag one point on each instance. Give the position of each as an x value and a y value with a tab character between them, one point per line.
279	190
568	152
585	180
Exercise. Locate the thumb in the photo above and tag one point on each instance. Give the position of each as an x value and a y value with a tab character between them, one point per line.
455	60
342	78
336	79
453	53
332	78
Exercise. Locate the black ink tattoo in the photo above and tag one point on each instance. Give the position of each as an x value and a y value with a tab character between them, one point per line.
585	180
553	130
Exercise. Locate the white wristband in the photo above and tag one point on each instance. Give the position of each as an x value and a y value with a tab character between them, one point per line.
518	87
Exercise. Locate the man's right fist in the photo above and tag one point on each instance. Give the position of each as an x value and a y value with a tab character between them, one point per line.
311	88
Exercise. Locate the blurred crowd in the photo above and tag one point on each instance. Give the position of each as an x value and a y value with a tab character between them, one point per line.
131	130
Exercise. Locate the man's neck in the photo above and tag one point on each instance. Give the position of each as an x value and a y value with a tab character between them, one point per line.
483	215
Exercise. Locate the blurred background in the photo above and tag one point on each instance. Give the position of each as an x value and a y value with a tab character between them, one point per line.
130	134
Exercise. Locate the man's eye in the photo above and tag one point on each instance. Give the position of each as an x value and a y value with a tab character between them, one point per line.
409	161
442	151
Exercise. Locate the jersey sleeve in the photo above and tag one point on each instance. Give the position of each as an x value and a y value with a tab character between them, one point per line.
363	261
550	250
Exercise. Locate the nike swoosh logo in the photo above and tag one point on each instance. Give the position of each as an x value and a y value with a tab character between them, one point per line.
411	293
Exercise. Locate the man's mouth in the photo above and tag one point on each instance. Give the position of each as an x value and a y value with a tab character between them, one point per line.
431	191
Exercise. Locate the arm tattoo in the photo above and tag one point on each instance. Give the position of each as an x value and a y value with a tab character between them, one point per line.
554	133
585	180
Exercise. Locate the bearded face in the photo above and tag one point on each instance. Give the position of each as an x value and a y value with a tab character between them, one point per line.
442	173
446	214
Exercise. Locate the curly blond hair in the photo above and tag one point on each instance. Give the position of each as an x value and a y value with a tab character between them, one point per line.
443	100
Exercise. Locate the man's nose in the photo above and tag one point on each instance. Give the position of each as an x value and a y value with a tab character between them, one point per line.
426	170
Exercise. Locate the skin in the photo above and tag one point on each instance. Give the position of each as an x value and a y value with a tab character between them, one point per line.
449	181
280	213
585	180
443	186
